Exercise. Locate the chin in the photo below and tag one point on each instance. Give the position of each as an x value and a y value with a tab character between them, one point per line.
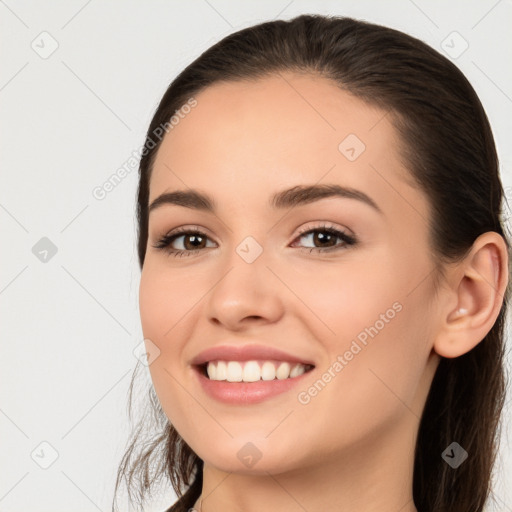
243	456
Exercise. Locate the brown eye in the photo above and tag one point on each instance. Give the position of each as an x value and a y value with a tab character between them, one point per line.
325	239
187	241
193	241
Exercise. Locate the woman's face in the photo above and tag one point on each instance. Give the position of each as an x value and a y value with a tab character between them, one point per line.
359	306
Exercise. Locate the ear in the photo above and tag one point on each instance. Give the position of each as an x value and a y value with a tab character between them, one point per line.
477	287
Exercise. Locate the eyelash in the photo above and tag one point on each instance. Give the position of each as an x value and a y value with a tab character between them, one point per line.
165	241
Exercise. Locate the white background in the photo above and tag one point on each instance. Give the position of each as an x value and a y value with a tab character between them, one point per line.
68	122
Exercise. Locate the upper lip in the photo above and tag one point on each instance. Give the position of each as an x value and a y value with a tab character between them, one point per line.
245	353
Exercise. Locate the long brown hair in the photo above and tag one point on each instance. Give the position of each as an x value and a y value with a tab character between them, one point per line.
447	144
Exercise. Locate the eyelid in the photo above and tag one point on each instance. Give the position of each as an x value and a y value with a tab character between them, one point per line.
324	225
187	228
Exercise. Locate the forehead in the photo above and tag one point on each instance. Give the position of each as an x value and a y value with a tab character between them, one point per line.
261	135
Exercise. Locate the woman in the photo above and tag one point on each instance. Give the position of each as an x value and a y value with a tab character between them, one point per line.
324	277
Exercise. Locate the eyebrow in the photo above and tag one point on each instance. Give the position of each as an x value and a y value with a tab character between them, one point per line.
289	198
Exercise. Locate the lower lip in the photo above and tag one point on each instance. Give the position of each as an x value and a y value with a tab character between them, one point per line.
240	393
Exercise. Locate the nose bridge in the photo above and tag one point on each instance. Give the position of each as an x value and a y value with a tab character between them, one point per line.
248	237
246	267
246	287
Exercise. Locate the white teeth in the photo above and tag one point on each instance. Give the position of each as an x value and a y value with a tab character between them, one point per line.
297	370
221	373
211	369
268	371
283	371
252	371
233	372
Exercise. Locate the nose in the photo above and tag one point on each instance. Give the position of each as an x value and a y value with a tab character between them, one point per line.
246	294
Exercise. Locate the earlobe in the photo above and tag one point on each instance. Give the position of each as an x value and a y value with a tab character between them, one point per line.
478	283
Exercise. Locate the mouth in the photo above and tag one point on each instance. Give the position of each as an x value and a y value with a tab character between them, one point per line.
252	370
249	374
244	383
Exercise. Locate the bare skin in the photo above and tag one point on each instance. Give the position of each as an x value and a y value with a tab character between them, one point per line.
351	446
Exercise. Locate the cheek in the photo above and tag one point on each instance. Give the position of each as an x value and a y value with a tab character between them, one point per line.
166	300
158	315
395	339
149	304
373	315
371	378
165	296
347	296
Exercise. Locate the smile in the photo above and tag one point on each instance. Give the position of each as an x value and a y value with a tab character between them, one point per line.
253	371
249	382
